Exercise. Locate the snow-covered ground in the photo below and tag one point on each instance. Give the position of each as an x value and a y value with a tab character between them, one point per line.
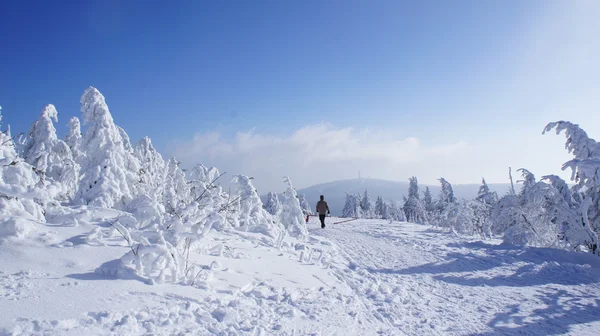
363	277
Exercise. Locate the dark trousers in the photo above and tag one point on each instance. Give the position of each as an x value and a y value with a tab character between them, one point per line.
322	219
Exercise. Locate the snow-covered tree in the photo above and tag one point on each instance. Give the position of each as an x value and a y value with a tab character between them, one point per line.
176	191
586	172
110	170
428	201
539	215
50	157
379	207
394	212
152	169
304	205
40	141
485	196
74	139
273	206
366	205
459	217
291	215
413	207
251	215
446	195
352	207
19	192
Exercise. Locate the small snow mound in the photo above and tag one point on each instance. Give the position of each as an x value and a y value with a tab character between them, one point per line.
16	227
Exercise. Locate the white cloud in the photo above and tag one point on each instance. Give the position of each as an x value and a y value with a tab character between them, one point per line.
315	154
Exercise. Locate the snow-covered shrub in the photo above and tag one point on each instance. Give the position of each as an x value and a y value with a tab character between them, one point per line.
110	170
146	210
291	215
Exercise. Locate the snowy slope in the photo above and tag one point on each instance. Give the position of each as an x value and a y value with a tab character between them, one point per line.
363	277
335	192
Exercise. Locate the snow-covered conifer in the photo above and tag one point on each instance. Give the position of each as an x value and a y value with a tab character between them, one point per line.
273	206
379	207
19	191
446	194
304	204
485	196
366	205
352	207
395	212
291	215
152	168
176	190
74	139
428	201
413	207
50	157
110	170
251	215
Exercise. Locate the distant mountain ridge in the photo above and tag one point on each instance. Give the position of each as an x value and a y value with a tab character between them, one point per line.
335	192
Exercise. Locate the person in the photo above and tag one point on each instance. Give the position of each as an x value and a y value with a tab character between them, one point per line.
323	210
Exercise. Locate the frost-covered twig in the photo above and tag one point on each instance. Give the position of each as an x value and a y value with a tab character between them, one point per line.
209	186
126	237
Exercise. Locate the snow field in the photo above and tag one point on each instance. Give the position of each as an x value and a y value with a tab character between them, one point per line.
364	277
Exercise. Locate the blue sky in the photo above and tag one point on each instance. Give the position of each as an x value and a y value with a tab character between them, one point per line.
448	74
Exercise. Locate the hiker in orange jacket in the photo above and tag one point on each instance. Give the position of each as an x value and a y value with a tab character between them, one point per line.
323	210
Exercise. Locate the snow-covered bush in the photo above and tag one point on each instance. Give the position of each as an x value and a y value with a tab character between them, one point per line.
291	215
